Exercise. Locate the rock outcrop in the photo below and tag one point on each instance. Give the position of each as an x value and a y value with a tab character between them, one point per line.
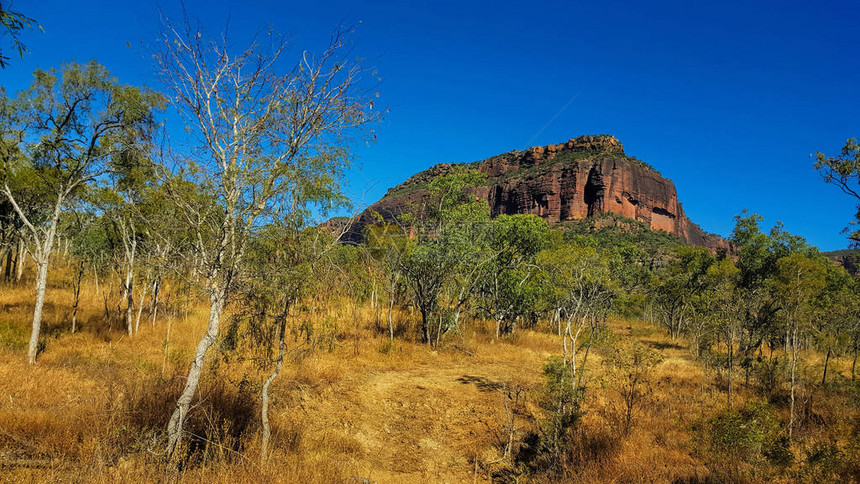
586	176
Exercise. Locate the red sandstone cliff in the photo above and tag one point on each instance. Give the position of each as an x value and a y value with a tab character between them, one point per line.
569	181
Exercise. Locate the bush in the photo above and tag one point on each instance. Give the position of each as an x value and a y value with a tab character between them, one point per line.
552	450
741	441
770	374
824	462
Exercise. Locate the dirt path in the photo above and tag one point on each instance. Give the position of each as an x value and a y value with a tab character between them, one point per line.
424	423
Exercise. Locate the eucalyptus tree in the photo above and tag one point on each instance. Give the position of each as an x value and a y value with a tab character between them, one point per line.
469	246
389	244
12	24
799	280
272	135
506	288
582	290
426	268
461	220
756	254
454	216
853	323
131	199
12	241
281	269
164	242
844	172
719	303
675	288
125	239
87	244
66	129
834	313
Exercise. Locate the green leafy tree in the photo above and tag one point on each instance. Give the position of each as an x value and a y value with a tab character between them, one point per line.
799	281
389	244
67	130
720	306
507	288
452	199
757	255
834	313
426	266
89	247
844	172
580	289
280	271
674	289
445	251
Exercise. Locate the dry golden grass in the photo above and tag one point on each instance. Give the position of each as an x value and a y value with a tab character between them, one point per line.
354	408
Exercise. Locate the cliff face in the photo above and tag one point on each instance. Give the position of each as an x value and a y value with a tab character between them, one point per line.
586	176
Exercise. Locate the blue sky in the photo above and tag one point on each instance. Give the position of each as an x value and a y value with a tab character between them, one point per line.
728	99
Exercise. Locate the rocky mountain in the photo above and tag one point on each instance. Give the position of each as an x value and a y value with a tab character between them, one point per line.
583	177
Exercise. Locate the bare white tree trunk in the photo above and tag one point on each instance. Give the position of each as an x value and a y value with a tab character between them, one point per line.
167	341
264	398
96	274
793	380
175	426
19	260
140	307
128	295
41	286
79	276
129	242
390	320
156	288
44	246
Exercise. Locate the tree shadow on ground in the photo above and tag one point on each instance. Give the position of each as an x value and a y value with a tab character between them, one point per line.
483	384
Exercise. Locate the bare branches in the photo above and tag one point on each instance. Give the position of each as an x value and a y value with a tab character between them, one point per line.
273	141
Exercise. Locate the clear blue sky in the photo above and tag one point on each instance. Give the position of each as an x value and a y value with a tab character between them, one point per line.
728	99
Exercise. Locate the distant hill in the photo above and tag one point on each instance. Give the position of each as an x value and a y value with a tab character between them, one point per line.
581	178
847	258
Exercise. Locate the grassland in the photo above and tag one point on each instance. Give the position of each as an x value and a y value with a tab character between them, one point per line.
350	406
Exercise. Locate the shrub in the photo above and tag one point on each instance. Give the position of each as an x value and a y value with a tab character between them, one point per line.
552	450
824	462
770	374
741	441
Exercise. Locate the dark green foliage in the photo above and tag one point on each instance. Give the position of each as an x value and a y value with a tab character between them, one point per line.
674	289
